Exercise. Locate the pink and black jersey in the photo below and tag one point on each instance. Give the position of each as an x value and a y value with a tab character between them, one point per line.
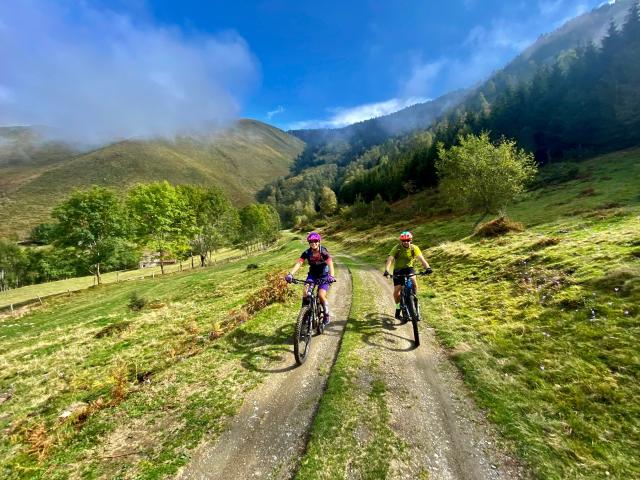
317	261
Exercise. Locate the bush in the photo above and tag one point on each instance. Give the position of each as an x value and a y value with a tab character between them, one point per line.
137	302
252	266
498	226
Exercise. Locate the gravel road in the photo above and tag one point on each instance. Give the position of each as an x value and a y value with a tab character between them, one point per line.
268	436
447	436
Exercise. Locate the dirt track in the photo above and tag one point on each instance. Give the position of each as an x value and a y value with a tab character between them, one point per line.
446	435
268	436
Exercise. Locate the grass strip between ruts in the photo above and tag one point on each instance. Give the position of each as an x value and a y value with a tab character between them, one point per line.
350	436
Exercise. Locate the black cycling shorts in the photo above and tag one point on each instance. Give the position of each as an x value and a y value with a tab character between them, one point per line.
402	271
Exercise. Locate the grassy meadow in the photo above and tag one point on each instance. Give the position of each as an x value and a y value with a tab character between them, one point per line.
93	388
543	323
31	292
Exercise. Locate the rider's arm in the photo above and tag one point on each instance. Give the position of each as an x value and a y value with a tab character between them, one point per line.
390	260
423	261
296	267
330	263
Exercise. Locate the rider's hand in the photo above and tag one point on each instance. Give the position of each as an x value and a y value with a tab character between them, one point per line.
331	278
385	274
428	271
289	278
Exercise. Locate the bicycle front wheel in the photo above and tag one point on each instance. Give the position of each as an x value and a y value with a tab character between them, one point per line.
414	314
303	334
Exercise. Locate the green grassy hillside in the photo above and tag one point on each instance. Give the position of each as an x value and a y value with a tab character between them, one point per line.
140	387
240	161
543	323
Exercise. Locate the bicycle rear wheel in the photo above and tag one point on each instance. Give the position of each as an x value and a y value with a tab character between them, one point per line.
414	314
303	334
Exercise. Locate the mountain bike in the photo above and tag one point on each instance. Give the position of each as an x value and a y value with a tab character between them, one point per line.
311	317
409	304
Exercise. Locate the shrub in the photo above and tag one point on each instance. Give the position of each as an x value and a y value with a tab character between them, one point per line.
498	226
137	302
252	266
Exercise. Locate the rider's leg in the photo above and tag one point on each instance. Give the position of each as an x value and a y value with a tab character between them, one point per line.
305	290
396	298
322	295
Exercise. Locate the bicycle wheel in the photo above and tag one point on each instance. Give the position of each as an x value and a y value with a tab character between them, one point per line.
414	315
303	334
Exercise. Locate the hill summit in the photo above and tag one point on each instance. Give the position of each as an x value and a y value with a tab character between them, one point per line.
35	174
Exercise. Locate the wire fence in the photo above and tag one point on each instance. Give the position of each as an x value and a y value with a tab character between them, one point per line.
13	300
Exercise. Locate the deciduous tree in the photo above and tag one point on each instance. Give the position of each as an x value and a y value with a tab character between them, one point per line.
480	176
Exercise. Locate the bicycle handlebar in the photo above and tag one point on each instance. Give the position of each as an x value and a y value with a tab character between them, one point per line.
310	282
404	275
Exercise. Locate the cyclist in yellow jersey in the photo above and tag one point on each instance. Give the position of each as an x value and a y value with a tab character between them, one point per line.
403	256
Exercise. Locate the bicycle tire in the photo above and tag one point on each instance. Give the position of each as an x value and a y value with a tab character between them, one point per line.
414	316
303	335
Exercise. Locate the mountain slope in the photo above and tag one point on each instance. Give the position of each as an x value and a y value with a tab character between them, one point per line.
240	161
342	145
589	27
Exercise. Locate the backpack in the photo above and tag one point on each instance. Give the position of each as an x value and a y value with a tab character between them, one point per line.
323	251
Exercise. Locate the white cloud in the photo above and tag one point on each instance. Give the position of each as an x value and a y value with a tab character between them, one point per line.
421	77
279	109
343	116
95	75
549	7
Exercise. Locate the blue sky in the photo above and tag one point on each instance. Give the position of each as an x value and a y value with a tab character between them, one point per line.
158	66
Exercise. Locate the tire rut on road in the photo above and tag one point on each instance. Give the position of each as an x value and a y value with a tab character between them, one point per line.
268	436
446	435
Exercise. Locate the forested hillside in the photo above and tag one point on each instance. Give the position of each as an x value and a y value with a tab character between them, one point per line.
35	175
579	106
343	145
585	102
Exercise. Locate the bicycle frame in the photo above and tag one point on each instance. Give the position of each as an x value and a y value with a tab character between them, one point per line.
409	305
311	317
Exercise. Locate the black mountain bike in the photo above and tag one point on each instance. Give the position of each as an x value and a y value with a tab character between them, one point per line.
310	318
409	304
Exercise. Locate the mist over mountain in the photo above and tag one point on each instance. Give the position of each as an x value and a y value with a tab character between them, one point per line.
342	145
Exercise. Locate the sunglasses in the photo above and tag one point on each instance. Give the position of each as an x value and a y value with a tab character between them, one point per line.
313	241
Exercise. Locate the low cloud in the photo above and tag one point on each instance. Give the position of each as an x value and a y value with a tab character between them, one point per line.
343	116
279	109
95	75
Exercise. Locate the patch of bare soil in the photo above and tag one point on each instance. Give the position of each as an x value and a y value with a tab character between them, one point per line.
446	435
268	436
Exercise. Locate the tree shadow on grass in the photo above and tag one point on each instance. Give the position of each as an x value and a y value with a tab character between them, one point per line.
258	351
377	331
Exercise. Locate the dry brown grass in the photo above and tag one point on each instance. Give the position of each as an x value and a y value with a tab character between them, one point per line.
498	226
274	291
39	440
